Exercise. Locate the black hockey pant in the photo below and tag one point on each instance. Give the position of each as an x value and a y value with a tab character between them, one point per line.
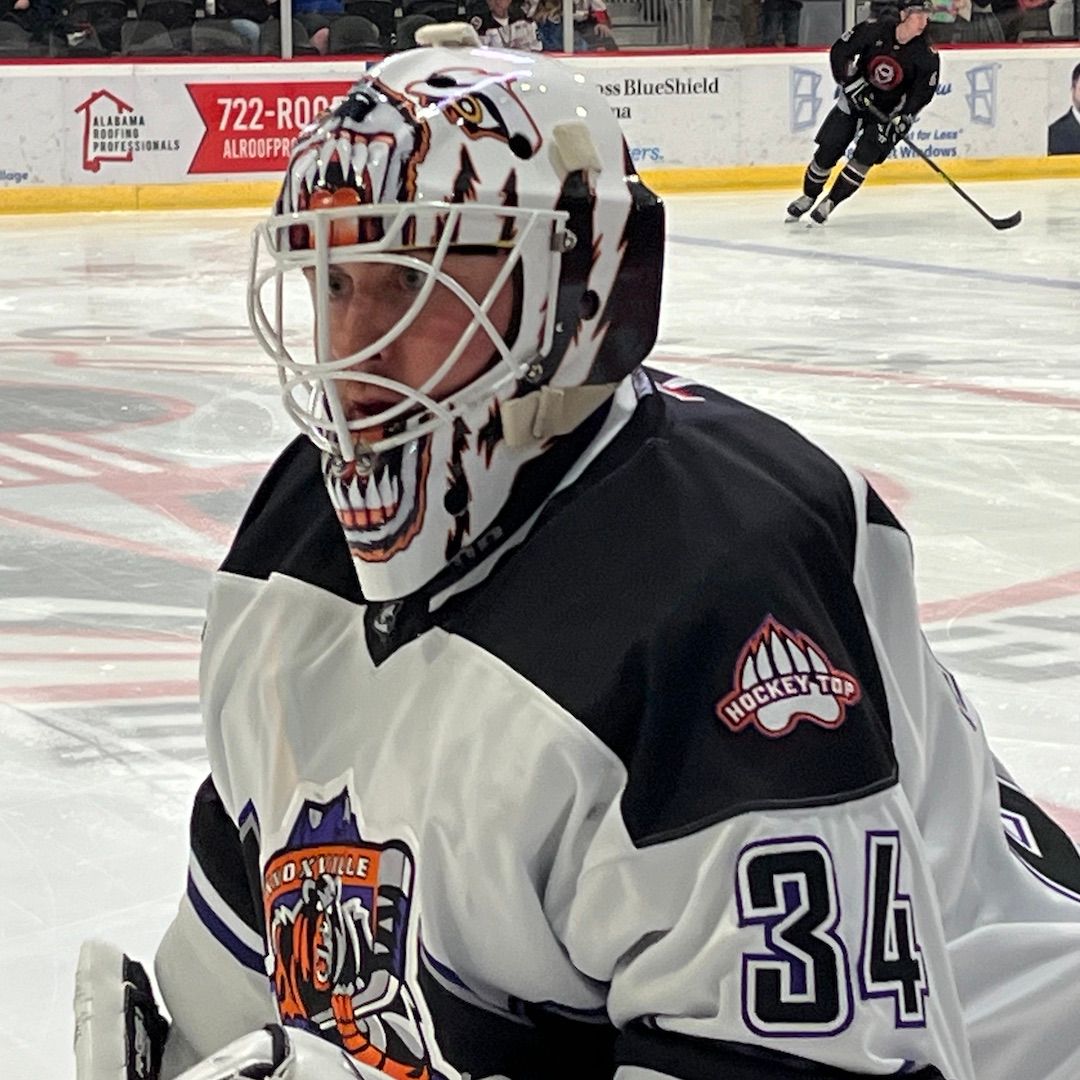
873	142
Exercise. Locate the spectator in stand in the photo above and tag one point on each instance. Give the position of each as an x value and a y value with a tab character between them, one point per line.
1036	17
726	24
506	26
1022	16
984	25
36	17
315	16
247	16
942	25
1006	12
780	22
750	22
1063	136
592	25
963	20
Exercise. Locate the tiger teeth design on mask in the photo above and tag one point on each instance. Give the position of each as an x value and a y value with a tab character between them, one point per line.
382	510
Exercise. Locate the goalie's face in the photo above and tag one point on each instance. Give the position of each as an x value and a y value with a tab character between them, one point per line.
365	302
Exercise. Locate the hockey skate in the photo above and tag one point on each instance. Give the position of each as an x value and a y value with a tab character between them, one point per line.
799	207
820	214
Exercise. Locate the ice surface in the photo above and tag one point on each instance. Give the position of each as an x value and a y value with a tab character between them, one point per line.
136	414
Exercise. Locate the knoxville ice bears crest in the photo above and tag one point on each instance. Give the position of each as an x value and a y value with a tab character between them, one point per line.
337	912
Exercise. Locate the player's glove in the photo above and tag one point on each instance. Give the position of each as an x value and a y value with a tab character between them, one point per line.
119	1031
859	93
895	128
901	124
279	1053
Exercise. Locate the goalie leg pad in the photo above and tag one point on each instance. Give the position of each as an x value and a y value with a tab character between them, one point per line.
119	1031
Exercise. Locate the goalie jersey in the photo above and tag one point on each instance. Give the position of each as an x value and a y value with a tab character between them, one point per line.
669	786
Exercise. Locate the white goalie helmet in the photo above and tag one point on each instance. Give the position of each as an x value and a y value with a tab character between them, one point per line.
441	151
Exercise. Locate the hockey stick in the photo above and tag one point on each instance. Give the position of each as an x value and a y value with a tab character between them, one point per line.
999	223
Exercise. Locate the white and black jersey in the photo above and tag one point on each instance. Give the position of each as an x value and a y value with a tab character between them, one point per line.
675	789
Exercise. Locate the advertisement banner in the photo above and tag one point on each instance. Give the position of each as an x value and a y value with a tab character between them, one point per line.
250	127
147	123
1063	107
117	122
726	110
164	124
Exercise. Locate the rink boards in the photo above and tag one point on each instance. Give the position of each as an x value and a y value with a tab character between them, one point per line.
159	134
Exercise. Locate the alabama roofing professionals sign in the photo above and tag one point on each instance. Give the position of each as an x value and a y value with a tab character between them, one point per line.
168	123
114	131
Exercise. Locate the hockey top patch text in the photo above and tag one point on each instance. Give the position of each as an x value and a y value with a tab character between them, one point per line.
782	677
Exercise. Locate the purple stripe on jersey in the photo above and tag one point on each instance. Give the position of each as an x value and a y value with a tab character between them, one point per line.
964	707
242	953
1050	883
248	811
441	969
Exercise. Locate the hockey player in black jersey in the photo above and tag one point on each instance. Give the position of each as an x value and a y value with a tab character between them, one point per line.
566	720
883	68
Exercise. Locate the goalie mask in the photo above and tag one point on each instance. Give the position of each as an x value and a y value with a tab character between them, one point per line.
482	268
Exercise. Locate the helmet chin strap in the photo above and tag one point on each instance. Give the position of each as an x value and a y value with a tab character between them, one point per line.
551	411
558	410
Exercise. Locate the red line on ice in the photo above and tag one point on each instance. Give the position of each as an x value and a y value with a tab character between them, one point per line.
1019	595
102	692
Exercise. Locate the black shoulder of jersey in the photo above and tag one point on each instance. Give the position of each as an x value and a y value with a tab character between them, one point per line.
924	45
700	567
290	527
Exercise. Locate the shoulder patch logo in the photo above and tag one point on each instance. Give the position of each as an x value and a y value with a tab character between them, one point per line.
782	677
